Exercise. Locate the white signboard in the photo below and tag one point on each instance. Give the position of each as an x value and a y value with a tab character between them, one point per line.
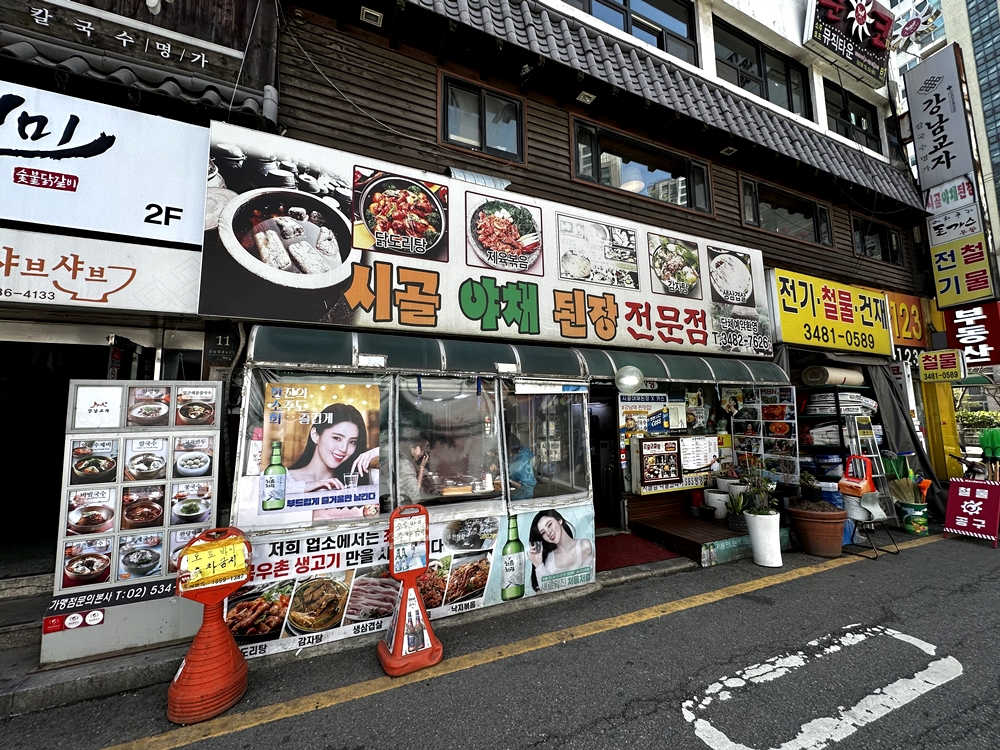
78	164
465	261
937	111
41	269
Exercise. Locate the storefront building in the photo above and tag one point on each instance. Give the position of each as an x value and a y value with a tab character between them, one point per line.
466	225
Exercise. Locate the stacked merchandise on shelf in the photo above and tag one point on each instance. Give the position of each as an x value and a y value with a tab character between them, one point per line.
825	433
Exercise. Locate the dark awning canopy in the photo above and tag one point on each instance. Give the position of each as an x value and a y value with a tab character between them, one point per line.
338	350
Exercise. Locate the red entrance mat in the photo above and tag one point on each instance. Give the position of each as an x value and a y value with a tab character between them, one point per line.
623	550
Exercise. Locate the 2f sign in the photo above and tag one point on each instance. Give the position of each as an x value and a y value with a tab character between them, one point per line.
162	214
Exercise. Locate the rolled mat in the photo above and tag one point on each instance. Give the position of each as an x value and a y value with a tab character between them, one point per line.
816	375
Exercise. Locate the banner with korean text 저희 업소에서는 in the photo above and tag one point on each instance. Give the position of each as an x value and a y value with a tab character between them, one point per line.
125	191
308	234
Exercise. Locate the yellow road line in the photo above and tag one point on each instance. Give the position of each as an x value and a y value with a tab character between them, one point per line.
256	717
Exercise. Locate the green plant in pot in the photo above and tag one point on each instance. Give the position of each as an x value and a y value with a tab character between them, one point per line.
735	506
762	519
809	489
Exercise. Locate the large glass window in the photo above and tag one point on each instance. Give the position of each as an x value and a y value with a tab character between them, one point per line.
619	162
447	440
852	117
775	210
665	24
482	120
546	444
875	240
753	67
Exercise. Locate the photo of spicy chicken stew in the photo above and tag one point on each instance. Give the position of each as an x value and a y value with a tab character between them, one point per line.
259	613
402	214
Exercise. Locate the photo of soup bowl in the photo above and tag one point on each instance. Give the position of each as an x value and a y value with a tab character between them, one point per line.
142	514
89	519
239	224
192	463
87	568
144	466
191	510
196	412
149	413
140	561
92	469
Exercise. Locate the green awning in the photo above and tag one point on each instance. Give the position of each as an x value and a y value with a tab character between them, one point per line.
973	379
302	347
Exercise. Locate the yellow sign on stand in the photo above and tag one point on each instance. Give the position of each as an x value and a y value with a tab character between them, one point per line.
213	564
830	315
942	366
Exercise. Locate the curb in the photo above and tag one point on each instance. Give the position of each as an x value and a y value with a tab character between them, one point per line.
16	588
39	689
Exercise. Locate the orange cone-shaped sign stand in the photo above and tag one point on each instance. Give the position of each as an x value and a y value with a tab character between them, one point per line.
213	676
410	643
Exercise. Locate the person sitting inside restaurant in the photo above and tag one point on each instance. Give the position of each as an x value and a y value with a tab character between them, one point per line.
519	469
411	473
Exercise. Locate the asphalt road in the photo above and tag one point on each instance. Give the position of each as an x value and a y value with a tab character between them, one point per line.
899	652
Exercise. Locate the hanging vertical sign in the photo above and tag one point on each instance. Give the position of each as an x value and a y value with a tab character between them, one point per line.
854	37
958	229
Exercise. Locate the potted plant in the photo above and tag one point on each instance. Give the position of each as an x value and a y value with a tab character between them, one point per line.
758	485
762	521
788	471
734	509
725	478
809	489
819	525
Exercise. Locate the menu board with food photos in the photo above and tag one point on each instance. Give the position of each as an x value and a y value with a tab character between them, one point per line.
764	425
139	482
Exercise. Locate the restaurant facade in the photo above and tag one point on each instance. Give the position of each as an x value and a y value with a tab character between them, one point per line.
535	274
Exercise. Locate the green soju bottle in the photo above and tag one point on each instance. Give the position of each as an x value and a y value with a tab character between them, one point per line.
272	486
512	577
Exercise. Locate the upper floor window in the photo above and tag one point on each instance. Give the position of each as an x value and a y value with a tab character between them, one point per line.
875	240
775	210
483	120
619	162
760	70
852	117
665	24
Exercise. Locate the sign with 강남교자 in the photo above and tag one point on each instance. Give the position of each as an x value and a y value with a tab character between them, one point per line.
829	315
942	366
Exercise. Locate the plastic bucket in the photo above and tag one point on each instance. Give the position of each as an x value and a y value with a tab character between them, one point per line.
914	518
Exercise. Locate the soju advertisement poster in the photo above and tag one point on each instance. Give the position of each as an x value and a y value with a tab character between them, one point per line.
320	453
554	549
309	587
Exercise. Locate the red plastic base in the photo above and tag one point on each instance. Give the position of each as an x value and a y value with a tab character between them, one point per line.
212	678
397	666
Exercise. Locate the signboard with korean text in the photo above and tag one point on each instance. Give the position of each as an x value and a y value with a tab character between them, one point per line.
829	315
940	126
101	32
139	482
976	332
346	571
941	366
909	330
316	235
973	509
81	165
43	269
958	228
852	35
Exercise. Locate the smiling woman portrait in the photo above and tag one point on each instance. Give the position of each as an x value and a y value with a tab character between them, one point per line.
553	549
337	445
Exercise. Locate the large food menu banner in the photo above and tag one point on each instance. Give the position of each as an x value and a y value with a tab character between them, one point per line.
764	428
302	233
139	482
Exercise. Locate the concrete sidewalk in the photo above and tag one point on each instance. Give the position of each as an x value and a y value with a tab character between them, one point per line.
24	686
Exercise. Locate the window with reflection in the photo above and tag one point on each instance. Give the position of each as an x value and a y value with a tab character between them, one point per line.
875	240
852	117
619	162
665	24
447	440
545	443
482	120
778	211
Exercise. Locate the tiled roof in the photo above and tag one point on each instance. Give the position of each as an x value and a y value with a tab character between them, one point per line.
565	40
130	73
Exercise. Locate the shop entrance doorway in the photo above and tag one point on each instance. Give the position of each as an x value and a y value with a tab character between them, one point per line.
604	464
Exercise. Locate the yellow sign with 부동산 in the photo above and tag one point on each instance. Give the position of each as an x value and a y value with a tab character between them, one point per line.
829	315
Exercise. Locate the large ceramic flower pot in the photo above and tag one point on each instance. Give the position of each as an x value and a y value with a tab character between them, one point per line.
765	538
820	533
717	500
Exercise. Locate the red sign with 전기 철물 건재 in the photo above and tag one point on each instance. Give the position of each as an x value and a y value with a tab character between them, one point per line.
973	509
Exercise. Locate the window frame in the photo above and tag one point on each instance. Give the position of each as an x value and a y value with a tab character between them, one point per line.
596	129
834	120
894	234
650	26
763	51
447	81
820	206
